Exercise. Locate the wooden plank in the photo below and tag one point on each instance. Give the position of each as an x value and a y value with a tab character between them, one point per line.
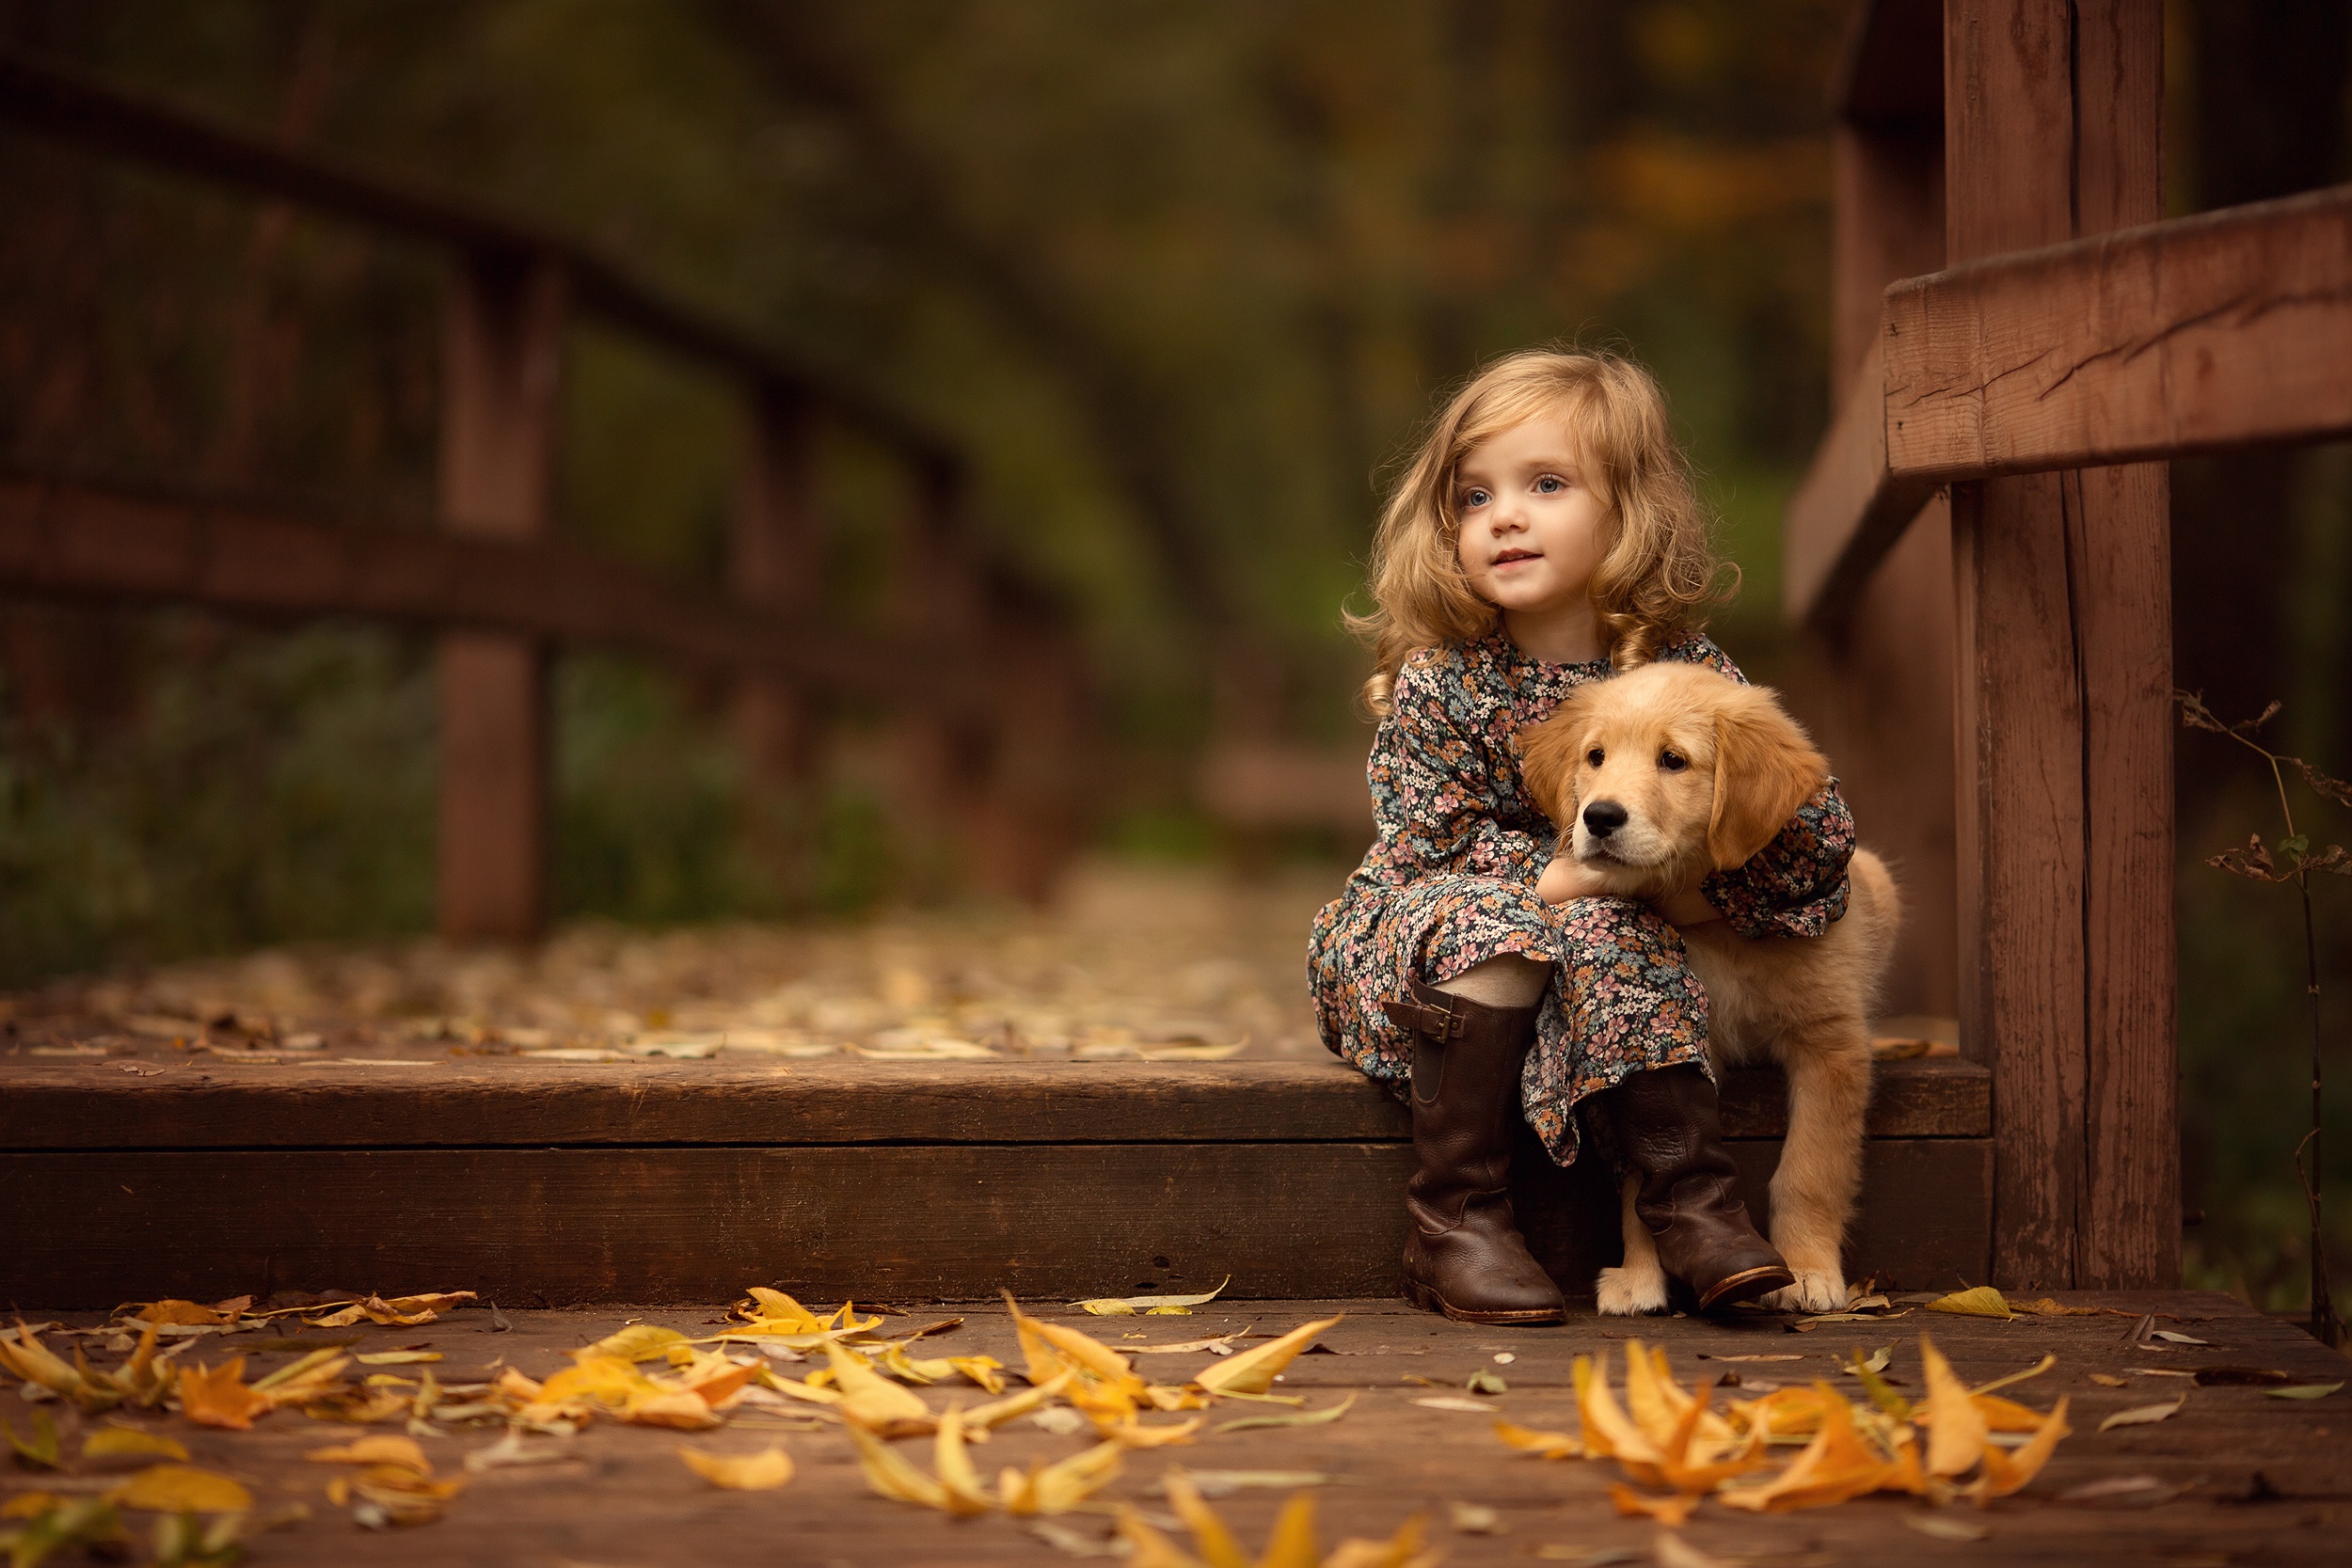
2119	542
1848	511
2270	1476
639	1224
2195	335
501	364
48	96
649	1224
67	540
473	1102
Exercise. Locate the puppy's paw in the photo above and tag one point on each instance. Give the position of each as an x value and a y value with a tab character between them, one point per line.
1816	1290
1628	1293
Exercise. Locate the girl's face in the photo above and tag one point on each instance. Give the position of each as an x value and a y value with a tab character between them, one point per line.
1532	532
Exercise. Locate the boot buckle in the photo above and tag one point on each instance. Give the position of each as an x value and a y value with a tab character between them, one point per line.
1441	1024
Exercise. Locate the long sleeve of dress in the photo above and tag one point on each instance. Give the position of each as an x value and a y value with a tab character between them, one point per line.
1435	796
1796	885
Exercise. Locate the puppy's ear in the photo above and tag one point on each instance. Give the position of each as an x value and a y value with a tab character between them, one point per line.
1548	757
1765	768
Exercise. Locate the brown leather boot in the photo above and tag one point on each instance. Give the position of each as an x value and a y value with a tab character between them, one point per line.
1669	1132
1465	1258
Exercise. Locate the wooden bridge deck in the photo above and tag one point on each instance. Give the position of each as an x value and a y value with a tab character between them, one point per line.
2260	1480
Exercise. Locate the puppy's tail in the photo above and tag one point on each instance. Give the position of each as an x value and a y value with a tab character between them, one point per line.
1879	901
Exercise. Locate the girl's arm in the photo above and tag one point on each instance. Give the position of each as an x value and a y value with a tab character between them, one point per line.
1795	886
1434	792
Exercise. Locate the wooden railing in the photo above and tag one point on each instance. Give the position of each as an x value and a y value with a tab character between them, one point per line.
2020	348
983	676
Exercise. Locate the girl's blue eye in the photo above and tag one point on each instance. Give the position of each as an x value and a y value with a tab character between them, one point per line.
1548	485
1474	497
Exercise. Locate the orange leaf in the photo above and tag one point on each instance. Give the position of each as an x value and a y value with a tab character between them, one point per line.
1669	1512
220	1397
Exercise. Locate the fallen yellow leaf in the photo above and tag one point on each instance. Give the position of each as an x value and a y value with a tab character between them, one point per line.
115	1442
2005	1473
1216	1545
1125	1307
219	1398
1058	1488
1293	1543
637	1343
998	1412
2142	1414
1253	1371
873	1401
1608	1432
1132	1433
986	1371
185	1313
1833	1467
400	1451
678	1411
888	1472
182	1489
752	1472
1544	1445
1982	1301
1956	1428
1670	1511
965	1495
396	1357
1148	1547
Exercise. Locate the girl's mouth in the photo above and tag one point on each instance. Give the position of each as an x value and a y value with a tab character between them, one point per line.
1505	558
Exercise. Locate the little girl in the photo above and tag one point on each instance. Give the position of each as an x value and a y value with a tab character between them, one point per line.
1546	535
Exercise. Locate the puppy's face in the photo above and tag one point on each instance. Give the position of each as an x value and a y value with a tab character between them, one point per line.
1657	776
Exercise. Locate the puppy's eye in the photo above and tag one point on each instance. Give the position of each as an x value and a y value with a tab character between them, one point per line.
1672	762
1596	757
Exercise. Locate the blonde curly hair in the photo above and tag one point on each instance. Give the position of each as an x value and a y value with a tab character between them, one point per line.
1660	573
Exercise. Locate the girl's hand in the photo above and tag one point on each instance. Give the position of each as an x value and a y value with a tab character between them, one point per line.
1683	911
1567	877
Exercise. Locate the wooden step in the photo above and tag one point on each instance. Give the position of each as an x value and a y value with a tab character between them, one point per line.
545	1182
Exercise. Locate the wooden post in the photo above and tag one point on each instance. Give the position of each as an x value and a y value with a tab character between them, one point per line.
2063	733
502	359
772	563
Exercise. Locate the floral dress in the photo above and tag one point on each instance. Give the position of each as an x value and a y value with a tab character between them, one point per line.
1450	882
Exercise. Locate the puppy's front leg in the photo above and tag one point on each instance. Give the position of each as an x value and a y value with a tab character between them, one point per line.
1638	1284
1821	1161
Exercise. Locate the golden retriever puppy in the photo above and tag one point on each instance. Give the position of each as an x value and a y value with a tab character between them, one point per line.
1658	777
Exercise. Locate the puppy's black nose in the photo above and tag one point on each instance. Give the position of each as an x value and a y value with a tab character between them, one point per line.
1603	818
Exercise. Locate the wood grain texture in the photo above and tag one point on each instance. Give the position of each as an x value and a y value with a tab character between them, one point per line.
2119	540
2020	841
474	1102
2194	334
694	1225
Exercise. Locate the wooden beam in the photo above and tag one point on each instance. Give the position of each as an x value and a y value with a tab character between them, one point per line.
2064	742
1892	73
2201	334
2220	331
1848	511
66	540
55	98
